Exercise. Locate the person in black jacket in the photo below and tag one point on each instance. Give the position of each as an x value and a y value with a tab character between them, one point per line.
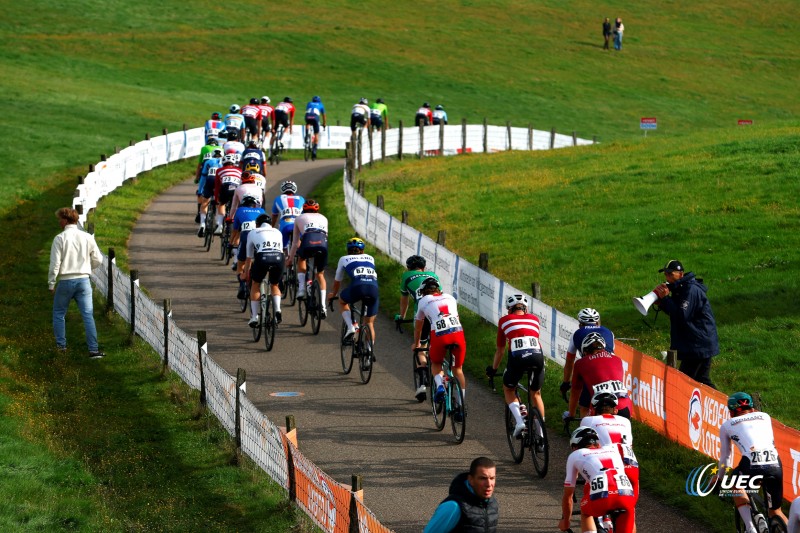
693	330
471	505
606	33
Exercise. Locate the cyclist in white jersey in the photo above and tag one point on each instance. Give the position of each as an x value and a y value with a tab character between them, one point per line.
310	239
264	260
751	431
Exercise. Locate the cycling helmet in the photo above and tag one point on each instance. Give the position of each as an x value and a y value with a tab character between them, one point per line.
316	99
235	108
263	219
602	399
289	187
229	159
215	115
254	101
356	243
583	436
588	316
415	262
252	143
288	100
429	286
216	153
426	104
252	167
248	177
212	141
740	400
265	99
379	101
363	101
593	342
310	207
440	107
516	299
249	201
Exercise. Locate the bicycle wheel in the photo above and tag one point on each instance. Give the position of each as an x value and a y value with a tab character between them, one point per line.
540	447
307	146
365	353
291	284
223	243
209	231
346	350
515	444
302	310
418	382
244	304
315	307
458	411
777	525
228	253
270	324
437	408
257	329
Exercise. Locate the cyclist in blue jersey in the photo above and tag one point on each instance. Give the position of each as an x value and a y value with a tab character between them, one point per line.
205	188
285	208
253	156
234	124
244	221
439	115
314	111
588	322
360	268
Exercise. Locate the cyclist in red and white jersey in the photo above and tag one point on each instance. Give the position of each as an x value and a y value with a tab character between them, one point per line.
310	239
267	119
441	310
424	115
751	432
597	371
284	114
228	178
615	430
607	487
519	330
252	119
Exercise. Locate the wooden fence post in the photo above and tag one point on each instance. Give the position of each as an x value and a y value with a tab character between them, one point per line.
672	358
536	290
441	138
508	132
355	487
441	237
485	135
371	153
421	139
483	261
530	136
383	143
380	201
134	284
463	136
404	217
241	378
167	316
360	148
574	138
552	137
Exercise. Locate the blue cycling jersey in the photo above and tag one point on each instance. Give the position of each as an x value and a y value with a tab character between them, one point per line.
359	267
315	108
245	218
581	333
208	164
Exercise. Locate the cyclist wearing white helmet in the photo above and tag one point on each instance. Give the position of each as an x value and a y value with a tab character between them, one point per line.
519	331
267	119
588	322
359	116
205	189
285	209
234	124
227	179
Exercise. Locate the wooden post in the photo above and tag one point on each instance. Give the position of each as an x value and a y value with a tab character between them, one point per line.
361	187
355	489
508	132
441	237
552	137
421	139
536	290
400	141
164	131
134	284
338	122
485	135
290	424
80	180
131	142
672	358
463	136
241	378
574	138
371	153
483	261
110	296
201	347
404	217
167	316
146	136
380	201
103	157
530	136
441	138
594	139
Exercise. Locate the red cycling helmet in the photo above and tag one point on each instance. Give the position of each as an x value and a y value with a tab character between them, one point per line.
310	207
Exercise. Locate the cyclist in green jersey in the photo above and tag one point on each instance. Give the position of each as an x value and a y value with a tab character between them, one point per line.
410	284
205	153
379	114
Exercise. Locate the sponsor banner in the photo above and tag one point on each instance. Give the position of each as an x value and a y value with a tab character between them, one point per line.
382	221
195	140
409	242
466	289
561	334
158	151
445	267
648	123
427	249
745	122
175	146
146	148
395	248
367	522
371	223
360	212
489	296
645	379
323	499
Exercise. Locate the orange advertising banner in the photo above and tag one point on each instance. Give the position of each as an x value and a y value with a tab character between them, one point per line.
691	414
367	522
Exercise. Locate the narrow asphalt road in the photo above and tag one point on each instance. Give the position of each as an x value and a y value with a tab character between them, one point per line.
376	430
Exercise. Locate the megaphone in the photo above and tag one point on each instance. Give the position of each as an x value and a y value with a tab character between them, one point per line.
643	304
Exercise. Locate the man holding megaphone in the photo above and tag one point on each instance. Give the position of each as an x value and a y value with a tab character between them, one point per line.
693	330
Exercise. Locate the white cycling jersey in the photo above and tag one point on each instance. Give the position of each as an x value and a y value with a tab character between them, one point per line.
441	310
307	222
601	468
614	430
264	240
361	110
752	433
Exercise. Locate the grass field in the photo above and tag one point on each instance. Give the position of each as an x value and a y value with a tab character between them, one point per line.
83	77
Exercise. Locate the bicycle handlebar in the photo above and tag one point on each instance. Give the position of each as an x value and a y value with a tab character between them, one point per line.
397	323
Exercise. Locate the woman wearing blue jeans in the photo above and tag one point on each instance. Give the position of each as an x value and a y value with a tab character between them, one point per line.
619	29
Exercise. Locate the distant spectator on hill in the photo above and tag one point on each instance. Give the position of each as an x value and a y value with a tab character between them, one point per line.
619	29
606	33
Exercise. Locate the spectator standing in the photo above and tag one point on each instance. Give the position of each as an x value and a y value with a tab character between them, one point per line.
619	29
606	33
470	505
693	330
73	256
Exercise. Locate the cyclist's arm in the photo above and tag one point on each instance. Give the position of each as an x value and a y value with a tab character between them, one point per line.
403	305
566	508
569	364
444	519
324	120
335	290
501	347
577	383
725	451
418	323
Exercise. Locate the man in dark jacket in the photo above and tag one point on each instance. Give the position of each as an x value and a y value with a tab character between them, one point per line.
693	330
471	505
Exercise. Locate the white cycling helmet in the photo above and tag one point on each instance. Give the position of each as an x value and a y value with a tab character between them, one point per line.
588	316
594	341
583	437
289	187
516	299
265	99
229	159
235	108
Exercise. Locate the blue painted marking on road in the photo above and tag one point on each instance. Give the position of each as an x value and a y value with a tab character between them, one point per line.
286	394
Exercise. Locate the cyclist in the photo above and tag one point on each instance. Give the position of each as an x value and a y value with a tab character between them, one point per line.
588	322
310	239
253	158
205	188
234	124
284	117
615	430
519	330
607	487
285	208
751	431
359	116
249	187
205	154
379	115
227	179
424	115
252	119
439	115
442	312
360	268
235	148
597	371
264	260
315	110
410	283
267	119
213	127
243	223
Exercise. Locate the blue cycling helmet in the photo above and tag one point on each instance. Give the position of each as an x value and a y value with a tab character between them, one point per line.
316	99
355	242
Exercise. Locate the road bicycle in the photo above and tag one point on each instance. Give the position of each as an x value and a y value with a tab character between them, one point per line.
761	519
308	142
225	248
208	232
534	436
358	347
452	405
289	282
310	306
417	380
267	322
277	148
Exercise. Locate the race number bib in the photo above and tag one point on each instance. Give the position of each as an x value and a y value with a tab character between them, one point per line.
523	345
212	171
624	485
291	212
249	225
230	179
763	457
598	487
613	386
311	226
447	324
365	273
268	246
628	457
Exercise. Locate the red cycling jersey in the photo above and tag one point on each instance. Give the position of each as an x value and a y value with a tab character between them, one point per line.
252	111
515	326
228	177
601	372
266	111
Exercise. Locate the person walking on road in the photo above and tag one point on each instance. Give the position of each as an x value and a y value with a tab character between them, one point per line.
470	505
73	256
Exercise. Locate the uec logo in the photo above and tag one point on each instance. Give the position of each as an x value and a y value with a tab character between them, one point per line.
702	480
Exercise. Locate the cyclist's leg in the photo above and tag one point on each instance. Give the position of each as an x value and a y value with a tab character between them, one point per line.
511	377
320	262
459	354
537	381
345	299
275	275
257	273
372	300
773	491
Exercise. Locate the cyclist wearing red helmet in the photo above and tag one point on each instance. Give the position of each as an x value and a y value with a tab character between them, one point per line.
310	239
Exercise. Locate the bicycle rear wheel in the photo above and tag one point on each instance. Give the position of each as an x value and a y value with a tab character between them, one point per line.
437	408
209	230
314	307
537	439
458	411
515	444
257	329
365	353
269	324
302	310
244	304
418	381
223	243
307	146
346	350
291	284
